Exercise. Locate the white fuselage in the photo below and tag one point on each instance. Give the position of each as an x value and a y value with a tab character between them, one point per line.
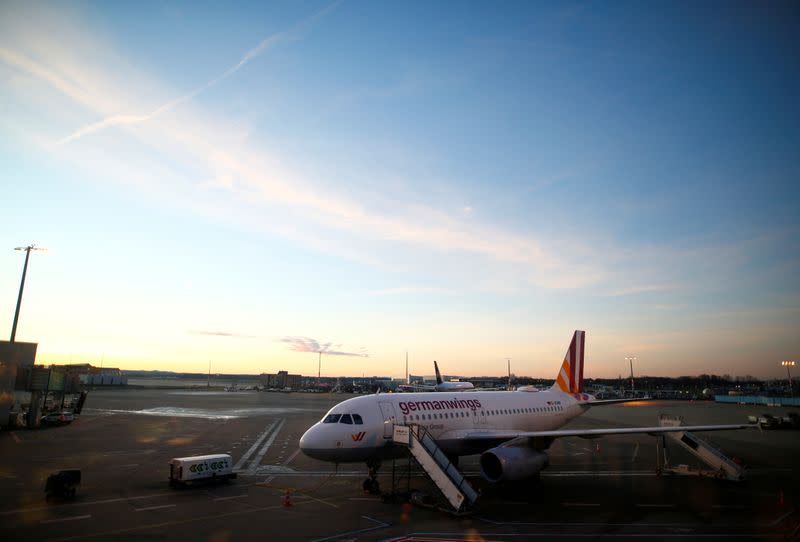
450	418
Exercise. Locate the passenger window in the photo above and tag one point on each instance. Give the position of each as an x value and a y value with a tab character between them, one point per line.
346	419
332	418
357	419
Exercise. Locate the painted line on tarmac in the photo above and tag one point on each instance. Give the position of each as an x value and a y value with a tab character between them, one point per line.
58	520
580	504
257	460
380	525
163	524
231	497
254	447
781	518
148	508
323	501
291	457
104	501
654	505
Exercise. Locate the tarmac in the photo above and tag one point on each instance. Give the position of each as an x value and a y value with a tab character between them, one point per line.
593	489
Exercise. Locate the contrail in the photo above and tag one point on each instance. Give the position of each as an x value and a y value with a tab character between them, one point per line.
264	45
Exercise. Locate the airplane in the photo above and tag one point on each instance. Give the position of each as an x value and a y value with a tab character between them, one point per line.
441	385
512	430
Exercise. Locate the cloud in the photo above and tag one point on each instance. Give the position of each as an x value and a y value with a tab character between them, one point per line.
245	185
207	166
263	46
222	334
307	344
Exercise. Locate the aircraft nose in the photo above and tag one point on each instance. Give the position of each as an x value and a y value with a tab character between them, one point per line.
310	441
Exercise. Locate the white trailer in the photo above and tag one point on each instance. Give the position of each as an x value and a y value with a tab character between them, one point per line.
189	470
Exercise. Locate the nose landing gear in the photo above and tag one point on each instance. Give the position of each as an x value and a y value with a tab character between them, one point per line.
371	484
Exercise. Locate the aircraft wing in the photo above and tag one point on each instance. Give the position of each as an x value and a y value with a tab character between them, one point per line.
500	435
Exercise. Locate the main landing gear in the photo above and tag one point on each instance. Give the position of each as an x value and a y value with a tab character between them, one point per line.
371	484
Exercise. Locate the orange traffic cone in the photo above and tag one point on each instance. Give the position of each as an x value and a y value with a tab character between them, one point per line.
287	499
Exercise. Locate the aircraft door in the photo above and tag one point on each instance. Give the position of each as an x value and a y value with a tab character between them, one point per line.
387	411
478	417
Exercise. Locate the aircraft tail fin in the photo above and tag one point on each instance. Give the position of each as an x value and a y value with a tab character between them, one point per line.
438	374
570	376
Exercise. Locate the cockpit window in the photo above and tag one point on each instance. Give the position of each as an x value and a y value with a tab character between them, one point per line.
357	419
331	418
346	419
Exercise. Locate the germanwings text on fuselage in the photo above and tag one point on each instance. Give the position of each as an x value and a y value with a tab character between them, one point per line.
412	406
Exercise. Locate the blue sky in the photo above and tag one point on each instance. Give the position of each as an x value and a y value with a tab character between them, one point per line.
465	182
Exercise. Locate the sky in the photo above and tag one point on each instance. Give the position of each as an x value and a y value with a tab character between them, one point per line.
248	184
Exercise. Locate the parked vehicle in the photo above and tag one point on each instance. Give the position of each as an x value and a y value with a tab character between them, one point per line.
201	468
768	421
58	418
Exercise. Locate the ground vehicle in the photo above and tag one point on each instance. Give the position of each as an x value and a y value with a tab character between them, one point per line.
200	468
768	421
59	418
62	484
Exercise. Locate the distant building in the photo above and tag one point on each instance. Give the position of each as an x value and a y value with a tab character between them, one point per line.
281	380
111	376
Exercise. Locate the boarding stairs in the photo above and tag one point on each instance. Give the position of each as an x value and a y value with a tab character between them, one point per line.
721	465
442	472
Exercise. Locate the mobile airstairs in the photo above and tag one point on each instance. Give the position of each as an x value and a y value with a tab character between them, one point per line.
442	472
722	466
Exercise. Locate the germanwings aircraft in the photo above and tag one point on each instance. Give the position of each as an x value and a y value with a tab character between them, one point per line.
441	385
511	430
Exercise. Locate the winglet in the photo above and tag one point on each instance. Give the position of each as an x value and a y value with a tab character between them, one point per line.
438	375
570	377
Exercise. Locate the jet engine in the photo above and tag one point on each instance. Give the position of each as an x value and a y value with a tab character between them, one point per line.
508	463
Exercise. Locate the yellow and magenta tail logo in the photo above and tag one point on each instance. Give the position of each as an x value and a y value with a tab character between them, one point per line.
570	377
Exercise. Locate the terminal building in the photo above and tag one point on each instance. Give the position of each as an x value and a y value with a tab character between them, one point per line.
26	389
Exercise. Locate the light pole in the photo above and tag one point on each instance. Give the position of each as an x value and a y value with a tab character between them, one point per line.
27	250
787	364
630	360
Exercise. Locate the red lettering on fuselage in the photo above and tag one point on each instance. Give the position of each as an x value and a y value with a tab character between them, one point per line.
409	406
